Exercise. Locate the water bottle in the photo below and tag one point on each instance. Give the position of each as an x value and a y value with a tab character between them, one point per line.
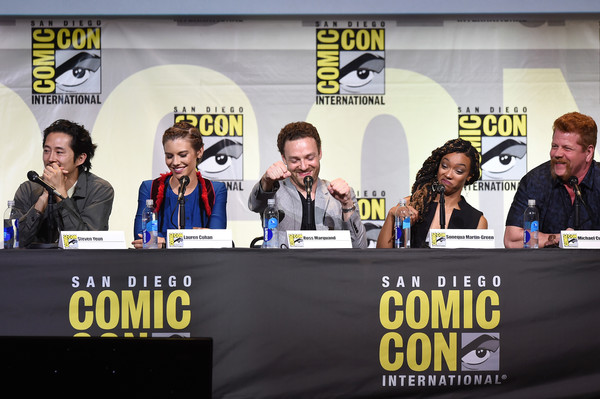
149	226
531	225
271	222
402	226
11	227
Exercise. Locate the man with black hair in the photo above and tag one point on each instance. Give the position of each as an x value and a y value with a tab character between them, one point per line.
85	200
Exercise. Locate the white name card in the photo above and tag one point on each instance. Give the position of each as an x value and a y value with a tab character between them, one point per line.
461	238
318	239
92	240
199	238
579	239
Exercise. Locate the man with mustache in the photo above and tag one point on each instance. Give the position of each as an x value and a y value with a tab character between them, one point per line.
571	154
334	203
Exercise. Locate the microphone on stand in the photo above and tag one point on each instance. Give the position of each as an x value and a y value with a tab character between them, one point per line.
574	183
440	188
34	177
308	182
183	182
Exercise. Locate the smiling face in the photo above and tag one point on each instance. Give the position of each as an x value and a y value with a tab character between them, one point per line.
57	150
302	158
181	158
568	157
453	171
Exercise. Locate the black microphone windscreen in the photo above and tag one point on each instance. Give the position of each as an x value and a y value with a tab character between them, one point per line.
308	181
573	181
185	180
438	187
32	175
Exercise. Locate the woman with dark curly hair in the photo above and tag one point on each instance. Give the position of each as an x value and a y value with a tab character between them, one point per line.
453	165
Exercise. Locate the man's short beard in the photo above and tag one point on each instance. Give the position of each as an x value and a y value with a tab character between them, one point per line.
565	177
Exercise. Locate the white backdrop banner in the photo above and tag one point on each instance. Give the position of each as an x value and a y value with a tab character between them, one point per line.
382	93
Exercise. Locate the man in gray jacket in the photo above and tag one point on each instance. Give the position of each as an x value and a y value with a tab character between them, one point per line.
334	203
81	201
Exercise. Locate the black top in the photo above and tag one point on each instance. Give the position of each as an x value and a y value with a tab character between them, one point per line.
466	217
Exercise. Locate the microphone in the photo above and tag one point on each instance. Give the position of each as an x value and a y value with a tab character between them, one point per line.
183	182
574	183
34	177
308	182
438	187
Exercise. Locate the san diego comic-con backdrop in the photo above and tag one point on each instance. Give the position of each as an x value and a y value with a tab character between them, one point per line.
382	93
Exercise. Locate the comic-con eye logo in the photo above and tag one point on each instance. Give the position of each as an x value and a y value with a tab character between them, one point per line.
502	142
223	136
70	241
176	240
350	61
570	240
480	352
66	60
296	240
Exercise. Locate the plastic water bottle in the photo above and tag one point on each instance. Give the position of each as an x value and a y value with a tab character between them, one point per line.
11	227
149	226
271	223
531	225
402	226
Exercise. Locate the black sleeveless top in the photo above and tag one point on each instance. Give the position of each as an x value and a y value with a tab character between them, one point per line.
466	217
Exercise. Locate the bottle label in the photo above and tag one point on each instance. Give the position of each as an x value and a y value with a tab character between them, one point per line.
406	223
147	236
152	225
150	231
535	226
8	234
398	233
272	223
268	234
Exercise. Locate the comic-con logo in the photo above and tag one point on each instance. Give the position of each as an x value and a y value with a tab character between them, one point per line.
223	136
66	60
438	239
501	140
570	240
176	240
446	334
350	61
70	241
140	306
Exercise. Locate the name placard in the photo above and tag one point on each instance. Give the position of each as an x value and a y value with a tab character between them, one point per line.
318	239
579	239
461	238
199	238
92	240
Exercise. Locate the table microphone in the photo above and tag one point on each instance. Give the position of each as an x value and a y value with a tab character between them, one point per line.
183	182
440	188
308	182
574	183
34	177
